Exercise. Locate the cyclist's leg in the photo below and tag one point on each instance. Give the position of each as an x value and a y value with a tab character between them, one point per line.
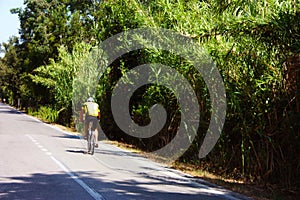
86	127
96	137
90	145
95	129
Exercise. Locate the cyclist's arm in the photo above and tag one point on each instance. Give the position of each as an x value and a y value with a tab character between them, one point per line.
98	110
98	114
81	114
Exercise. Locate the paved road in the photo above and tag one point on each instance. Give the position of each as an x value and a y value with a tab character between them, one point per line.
38	161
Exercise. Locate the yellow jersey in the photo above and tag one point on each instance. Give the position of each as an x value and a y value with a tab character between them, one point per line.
91	108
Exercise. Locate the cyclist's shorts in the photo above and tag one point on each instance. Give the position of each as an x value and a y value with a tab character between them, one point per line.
94	120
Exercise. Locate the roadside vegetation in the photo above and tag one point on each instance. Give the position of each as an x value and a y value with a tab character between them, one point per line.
256	47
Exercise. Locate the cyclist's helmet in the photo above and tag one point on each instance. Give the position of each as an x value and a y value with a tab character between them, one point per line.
90	99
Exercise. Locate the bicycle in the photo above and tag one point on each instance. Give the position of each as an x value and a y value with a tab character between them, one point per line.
91	140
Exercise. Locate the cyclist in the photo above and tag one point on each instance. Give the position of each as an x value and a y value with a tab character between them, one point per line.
90	111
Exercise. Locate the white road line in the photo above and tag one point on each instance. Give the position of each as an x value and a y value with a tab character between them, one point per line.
48	153
94	194
91	192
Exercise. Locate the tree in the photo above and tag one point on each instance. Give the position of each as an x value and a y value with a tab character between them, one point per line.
45	27
10	70
59	75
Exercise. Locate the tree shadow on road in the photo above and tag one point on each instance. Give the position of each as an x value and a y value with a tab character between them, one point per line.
8	111
41	186
62	186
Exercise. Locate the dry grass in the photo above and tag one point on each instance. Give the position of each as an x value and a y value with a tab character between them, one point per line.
67	129
250	189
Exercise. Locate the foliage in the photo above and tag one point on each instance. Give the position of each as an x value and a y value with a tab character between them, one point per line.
255	45
58	76
251	43
10	71
45	113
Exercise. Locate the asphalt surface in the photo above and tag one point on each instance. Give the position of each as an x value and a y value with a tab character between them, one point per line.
39	161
